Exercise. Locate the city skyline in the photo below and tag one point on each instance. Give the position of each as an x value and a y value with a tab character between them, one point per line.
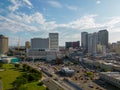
26	19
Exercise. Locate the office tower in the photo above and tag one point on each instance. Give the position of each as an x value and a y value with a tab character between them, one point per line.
103	37
95	43
72	44
90	44
53	41
3	44
84	41
40	43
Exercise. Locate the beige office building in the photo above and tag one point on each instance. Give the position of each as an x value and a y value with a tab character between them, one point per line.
3	44
27	45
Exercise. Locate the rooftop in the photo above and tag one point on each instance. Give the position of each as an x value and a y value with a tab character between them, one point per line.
115	75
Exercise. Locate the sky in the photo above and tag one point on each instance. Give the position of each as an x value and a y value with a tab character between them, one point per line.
21	20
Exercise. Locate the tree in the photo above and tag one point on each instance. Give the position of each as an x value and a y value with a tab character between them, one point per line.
17	65
22	88
47	88
40	83
89	74
24	67
19	81
1	65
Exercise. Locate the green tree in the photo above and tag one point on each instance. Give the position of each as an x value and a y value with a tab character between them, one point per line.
1	65
40	83
47	88
17	65
19	81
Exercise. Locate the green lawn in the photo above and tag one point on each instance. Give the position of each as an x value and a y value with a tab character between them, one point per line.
34	86
10	74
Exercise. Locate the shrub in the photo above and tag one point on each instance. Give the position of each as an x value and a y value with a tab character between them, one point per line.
1	64
17	65
40	83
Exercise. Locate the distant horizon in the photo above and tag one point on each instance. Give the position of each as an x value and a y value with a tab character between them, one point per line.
26	19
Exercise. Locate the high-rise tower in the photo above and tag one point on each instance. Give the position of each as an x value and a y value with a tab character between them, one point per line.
53	41
103	37
84	41
3	44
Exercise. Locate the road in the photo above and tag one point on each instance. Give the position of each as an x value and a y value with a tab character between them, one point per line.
52	84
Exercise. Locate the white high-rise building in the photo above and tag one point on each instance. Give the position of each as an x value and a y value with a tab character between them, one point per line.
84	40
54	41
44	48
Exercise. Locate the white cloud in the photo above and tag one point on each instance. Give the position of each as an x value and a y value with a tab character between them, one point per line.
28	2
84	22
98	1
38	17
16	4
55	4
14	26
74	8
113	22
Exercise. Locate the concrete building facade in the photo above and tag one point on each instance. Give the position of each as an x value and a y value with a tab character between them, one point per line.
3	44
91	41
111	77
84	40
27	44
44	48
54	41
40	43
72	44
90	44
103	37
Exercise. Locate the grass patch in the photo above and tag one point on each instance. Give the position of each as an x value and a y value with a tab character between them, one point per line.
8	76
34	86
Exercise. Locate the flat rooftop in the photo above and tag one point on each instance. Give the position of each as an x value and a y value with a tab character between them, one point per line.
115	75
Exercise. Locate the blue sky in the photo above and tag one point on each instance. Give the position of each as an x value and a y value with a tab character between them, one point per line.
25	19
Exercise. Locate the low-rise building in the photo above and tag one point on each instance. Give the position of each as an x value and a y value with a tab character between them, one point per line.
66	71
7	59
42	54
111	77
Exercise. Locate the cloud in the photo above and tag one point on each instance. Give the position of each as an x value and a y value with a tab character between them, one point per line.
98	1
28	2
112	23
22	22
16	4
37	23
14	26
74	8
55	4
84	22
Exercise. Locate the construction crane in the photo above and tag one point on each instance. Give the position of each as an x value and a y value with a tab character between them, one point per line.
18	44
